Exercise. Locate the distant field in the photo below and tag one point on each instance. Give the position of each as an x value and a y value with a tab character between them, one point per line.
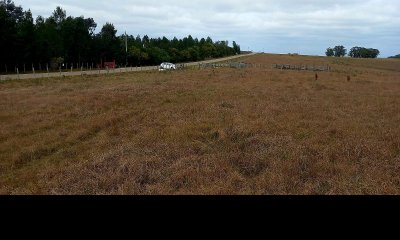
213	131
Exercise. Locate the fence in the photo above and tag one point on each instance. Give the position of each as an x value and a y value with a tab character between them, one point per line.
78	69
23	68
75	72
226	65
277	66
26	68
326	68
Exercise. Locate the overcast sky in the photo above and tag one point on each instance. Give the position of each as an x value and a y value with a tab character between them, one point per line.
278	26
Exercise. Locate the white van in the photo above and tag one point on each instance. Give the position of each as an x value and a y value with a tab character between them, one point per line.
167	66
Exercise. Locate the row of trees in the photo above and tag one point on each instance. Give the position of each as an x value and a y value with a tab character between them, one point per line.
156	50
360	52
355	52
396	56
338	51
61	38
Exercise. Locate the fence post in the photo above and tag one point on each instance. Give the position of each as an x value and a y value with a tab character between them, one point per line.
72	66
33	70
18	73
47	67
24	67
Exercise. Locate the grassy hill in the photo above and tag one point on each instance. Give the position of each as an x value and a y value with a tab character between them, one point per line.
211	131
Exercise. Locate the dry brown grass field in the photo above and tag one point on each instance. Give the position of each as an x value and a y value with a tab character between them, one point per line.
212	131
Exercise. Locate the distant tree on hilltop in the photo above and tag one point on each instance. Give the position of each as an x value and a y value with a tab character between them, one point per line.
338	51
329	52
361	52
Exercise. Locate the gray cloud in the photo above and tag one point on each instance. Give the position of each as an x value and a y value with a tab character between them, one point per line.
304	26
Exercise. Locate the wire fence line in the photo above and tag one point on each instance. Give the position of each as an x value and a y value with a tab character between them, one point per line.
75	73
239	65
44	67
82	71
304	67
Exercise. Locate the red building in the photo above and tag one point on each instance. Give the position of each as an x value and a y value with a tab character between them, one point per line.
108	65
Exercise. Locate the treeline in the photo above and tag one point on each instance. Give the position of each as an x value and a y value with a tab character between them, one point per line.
355	52
156	50
65	39
338	51
360	52
397	56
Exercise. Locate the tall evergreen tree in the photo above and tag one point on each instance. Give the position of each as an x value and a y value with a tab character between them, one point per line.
72	40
